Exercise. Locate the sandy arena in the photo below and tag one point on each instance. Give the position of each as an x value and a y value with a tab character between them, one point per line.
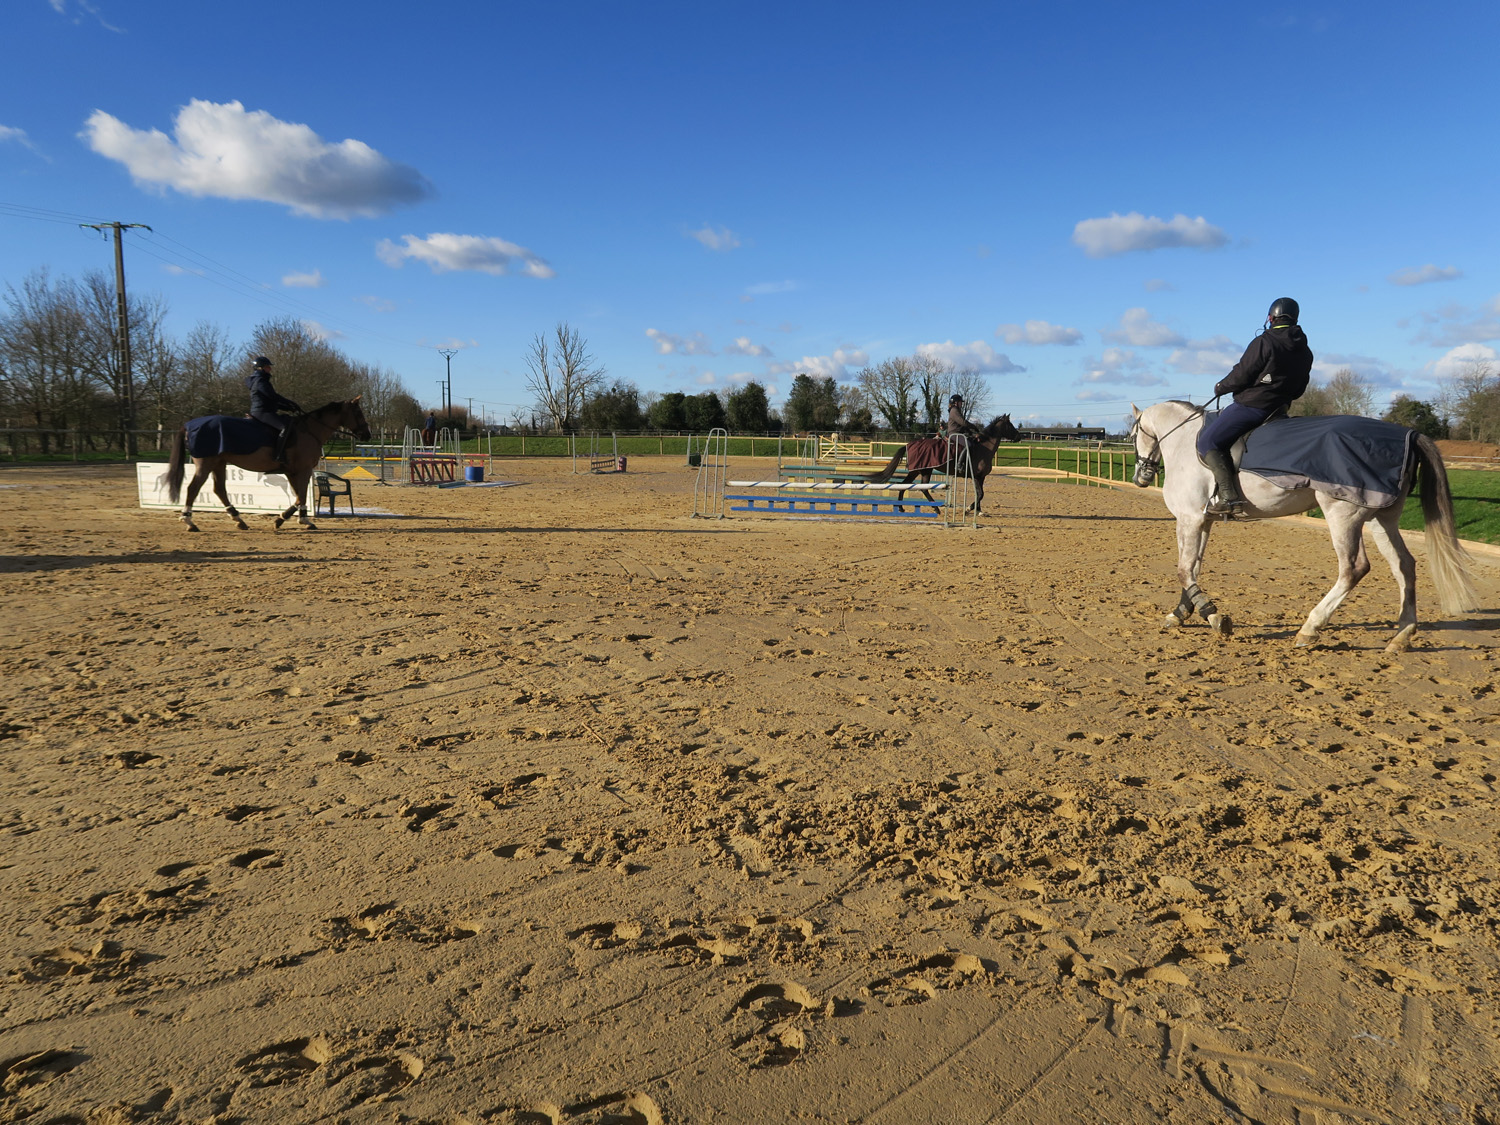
550	804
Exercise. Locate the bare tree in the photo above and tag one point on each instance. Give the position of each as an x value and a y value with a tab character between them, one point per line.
1350	392
1472	401
561	373
933	379
1346	392
890	390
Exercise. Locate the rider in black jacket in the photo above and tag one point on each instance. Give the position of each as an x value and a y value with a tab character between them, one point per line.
1270	376
267	406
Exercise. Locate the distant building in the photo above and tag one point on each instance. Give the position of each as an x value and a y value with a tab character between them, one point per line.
1062	433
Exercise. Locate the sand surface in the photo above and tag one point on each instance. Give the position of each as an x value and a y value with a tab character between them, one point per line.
550	804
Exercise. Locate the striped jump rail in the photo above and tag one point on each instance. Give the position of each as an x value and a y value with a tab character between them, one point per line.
430	469
848	499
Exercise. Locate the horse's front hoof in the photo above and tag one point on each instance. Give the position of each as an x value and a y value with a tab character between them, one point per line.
1305	640
1221	624
192	527
1171	621
309	527
1401	642
242	525
279	522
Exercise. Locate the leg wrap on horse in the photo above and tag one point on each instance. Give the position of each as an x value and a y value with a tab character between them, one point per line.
1196	599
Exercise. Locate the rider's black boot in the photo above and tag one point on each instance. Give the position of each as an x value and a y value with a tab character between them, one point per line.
279	453
1227	500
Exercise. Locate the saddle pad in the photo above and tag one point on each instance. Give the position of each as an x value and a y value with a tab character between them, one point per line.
1360	460
927	453
214	435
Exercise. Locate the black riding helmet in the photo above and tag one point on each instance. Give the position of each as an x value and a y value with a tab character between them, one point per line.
1283	310
955	398
262	361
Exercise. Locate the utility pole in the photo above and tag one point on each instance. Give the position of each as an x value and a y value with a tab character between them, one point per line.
122	334
448	354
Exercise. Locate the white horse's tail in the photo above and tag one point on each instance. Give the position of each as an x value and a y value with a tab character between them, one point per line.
1446	558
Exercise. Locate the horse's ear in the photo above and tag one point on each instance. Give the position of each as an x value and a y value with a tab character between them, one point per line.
1134	411
356	398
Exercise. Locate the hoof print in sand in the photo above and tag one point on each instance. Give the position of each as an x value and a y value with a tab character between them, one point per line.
281	1063
426	818
354	758
105	960
383	922
21	1075
607	935
611	1109
379	1078
923	981
256	859
772	1021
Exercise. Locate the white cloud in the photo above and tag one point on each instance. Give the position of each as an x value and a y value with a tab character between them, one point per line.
1374	371
743	346
1456	324
1119	365
978	356
721	239
1038	332
452	342
1138	330
835	366
61	8
181	271
446	253
11	133
226	153
1213	356
312	280
1120	234
1157	285
378	304
764	288
666	343
1423	274
1458	360
322	333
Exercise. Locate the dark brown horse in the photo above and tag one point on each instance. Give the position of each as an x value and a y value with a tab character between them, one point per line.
304	449
931	456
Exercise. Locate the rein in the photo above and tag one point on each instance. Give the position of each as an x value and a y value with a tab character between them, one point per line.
1153	462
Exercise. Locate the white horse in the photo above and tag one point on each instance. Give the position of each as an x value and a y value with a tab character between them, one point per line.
1166	435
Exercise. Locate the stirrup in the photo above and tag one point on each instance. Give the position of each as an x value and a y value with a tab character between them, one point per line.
1225	509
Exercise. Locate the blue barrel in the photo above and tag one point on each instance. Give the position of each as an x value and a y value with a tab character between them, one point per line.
474	473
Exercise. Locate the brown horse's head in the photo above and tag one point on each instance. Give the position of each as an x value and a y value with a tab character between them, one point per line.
1000	429
353	419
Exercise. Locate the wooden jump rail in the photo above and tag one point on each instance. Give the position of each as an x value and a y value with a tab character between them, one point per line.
821	501
433	468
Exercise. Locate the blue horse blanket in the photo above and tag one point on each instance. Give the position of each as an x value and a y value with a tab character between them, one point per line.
214	435
1360	460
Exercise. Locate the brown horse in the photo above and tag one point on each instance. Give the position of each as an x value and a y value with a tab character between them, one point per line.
304	449
981	459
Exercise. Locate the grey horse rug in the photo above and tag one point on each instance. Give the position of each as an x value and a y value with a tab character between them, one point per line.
1360	460
214	435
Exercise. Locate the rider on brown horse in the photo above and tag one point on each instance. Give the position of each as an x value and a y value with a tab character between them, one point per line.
957	423
267	406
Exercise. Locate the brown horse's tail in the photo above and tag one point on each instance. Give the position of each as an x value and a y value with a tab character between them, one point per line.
175	465
889	471
1446	558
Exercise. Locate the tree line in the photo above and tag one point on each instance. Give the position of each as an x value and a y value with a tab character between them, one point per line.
1468	408
61	375
903	395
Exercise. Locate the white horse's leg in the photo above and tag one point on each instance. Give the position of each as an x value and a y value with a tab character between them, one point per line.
1345	526
1192	543
1386	531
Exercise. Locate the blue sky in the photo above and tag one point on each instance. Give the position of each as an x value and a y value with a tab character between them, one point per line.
1092	203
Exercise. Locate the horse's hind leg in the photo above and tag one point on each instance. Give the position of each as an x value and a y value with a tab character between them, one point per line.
1386	531
223	496
200	475
1345	524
